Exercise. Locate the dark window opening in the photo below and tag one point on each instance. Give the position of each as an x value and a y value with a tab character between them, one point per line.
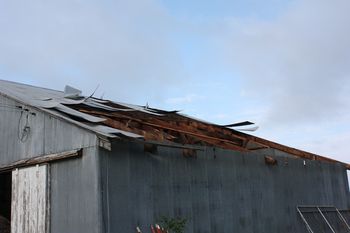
5	201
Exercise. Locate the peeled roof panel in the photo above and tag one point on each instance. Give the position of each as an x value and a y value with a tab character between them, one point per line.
42	104
71	92
139	108
243	123
83	125
110	130
94	104
35	96
26	91
99	100
54	102
100	129
70	101
81	115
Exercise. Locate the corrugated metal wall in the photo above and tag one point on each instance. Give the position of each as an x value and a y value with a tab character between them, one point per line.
76	195
222	191
47	134
74	186
219	191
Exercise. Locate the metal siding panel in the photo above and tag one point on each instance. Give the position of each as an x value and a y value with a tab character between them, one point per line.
48	134
75	193
117	205
199	193
218	192
141	177
215	191
162	204
178	183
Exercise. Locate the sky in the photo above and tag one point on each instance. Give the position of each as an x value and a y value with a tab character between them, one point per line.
283	64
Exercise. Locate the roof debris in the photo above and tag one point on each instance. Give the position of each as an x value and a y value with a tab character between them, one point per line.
114	119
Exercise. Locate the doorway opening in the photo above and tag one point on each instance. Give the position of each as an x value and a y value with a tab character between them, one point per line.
5	200
348	173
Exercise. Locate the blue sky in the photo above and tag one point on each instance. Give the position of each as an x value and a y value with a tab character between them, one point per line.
282	64
212	10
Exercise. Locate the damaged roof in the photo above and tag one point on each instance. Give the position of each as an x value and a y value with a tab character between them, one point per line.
114	120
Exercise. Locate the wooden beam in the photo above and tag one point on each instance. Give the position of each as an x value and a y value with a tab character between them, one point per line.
216	141
173	145
290	150
209	133
270	160
41	159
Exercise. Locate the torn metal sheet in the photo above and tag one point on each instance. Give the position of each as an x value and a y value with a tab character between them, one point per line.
81	115
249	129
99	100
243	123
71	92
116	120
110	130
139	108
35	96
78	123
164	111
94	104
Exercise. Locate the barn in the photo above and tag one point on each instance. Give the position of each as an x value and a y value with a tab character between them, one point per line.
76	164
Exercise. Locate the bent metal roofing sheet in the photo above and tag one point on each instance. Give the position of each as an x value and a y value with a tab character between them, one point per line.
114	119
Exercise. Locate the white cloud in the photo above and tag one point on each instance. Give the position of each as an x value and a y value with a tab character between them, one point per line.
126	46
332	146
298	63
221	116
295	66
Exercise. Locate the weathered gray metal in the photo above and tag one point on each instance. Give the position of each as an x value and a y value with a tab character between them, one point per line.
115	191
48	134
76	200
74	185
54	102
219	191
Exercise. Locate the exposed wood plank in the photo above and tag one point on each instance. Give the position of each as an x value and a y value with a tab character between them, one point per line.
210	134
270	160
290	150
41	159
181	129
173	145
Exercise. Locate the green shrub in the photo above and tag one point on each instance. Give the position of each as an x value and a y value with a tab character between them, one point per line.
173	225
